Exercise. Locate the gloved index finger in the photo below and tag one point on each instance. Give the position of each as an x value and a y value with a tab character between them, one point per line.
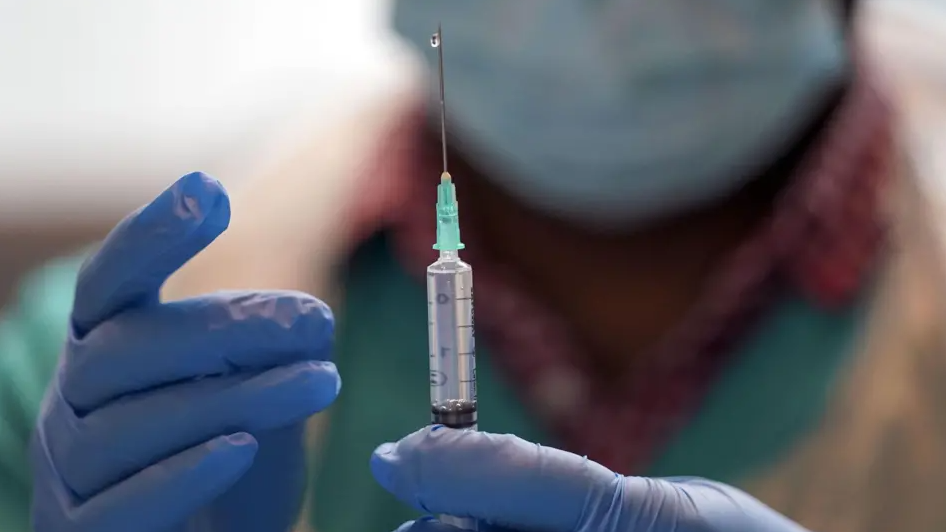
501	479
212	334
148	246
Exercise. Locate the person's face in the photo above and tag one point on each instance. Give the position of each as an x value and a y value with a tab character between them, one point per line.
613	112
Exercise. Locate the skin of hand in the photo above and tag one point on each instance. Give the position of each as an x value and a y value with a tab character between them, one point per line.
507	483
180	415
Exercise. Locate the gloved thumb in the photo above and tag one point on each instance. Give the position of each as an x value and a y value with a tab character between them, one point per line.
507	481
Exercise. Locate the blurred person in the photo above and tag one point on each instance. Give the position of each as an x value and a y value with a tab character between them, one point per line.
699	247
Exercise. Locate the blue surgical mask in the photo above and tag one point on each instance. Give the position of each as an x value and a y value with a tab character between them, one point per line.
613	112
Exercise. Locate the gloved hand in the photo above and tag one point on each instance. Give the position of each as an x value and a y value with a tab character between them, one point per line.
508	483
186	415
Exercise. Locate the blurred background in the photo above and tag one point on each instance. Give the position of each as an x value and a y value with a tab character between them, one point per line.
104	102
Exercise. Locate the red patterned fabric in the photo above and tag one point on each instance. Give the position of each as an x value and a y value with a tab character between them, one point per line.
820	241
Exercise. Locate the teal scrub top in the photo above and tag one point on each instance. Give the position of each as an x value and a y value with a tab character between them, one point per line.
767	400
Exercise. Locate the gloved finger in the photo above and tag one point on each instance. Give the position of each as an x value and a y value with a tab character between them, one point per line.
126	436
209	335
501	479
147	247
167	493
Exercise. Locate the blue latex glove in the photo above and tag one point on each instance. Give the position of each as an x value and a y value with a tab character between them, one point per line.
186	415
509	483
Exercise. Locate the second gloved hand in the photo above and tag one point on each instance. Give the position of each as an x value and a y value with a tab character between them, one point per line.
186	415
508	483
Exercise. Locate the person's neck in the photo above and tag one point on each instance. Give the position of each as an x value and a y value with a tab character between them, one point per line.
623	293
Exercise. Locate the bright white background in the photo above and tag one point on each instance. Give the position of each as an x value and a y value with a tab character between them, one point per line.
104	102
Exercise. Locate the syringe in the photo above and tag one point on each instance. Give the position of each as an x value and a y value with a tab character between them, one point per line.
450	311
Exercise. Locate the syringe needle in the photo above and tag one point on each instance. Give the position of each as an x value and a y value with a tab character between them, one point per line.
448	225
437	42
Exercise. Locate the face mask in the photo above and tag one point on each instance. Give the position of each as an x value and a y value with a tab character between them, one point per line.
612	112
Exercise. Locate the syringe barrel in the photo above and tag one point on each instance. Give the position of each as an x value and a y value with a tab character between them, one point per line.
452	348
